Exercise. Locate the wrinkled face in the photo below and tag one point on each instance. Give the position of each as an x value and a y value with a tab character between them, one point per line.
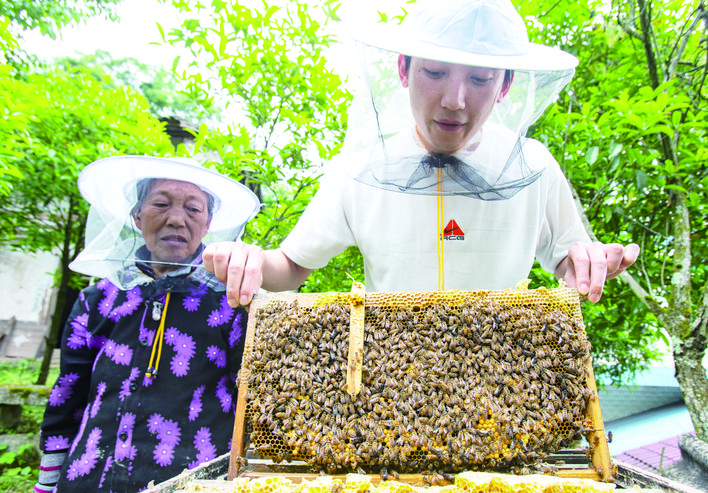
450	102
173	219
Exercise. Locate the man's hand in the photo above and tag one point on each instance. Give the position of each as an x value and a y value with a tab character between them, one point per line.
239	266
589	265
245	268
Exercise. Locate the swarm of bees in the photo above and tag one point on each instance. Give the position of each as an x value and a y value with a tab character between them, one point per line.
474	384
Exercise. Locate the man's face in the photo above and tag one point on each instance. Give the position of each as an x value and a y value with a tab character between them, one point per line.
450	102
173	219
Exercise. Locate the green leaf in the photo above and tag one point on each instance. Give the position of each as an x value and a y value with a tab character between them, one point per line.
634	120
614	164
162	32
678	188
676	118
660	129
592	154
615	149
641	179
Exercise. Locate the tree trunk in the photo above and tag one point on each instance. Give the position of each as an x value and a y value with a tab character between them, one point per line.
688	338
688	361
52	339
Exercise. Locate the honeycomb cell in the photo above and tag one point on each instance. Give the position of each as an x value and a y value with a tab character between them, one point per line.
451	380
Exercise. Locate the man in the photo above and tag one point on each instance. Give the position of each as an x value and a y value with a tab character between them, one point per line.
448	195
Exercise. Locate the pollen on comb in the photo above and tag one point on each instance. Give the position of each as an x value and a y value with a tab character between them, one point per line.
270	484
321	484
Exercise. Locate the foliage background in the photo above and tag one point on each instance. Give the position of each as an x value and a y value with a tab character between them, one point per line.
630	136
629	133
269	65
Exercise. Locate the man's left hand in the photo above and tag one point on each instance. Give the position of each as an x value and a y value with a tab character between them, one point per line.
589	265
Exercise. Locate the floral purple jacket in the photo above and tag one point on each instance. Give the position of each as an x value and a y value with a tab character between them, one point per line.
122	428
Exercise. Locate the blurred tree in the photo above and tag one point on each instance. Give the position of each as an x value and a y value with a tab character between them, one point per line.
160	86
12	130
631	136
17	16
50	17
70	119
55	120
266	65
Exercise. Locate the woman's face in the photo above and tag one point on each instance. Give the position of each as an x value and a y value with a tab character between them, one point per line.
173	219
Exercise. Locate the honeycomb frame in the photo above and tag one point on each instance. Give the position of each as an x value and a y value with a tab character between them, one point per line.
382	309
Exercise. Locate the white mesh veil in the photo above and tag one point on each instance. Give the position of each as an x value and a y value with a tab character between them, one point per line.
114	246
481	33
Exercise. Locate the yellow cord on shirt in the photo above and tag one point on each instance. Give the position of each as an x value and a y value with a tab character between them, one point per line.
157	342
440	219
441	236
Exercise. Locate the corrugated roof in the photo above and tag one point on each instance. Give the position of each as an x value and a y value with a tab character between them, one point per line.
651	389
648	428
654	457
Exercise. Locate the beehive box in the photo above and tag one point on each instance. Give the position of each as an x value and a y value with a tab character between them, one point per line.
466	482
211	477
441	381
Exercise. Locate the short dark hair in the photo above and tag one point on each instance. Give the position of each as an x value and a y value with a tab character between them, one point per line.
507	75
143	187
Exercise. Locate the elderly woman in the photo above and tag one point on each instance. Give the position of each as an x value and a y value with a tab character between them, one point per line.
150	352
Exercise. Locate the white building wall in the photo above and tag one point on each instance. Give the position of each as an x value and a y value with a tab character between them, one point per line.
26	285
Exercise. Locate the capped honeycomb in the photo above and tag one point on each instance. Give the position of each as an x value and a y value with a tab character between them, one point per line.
466	482
451	381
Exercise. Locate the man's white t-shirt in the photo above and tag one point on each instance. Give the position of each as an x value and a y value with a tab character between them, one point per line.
487	244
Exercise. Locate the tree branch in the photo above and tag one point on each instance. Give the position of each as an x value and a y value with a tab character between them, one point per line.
550	9
285	214
701	322
651	54
704	15
681	278
644	296
628	26
643	265
665	256
276	120
698	15
647	39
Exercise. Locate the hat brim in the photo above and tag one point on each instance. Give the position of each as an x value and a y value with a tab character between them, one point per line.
396	39
106	185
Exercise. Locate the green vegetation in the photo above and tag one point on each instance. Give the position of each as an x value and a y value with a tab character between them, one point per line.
21	372
57	119
19	468
268	64
629	133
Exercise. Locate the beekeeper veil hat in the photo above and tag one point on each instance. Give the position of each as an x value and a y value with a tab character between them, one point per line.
114	245
480	33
